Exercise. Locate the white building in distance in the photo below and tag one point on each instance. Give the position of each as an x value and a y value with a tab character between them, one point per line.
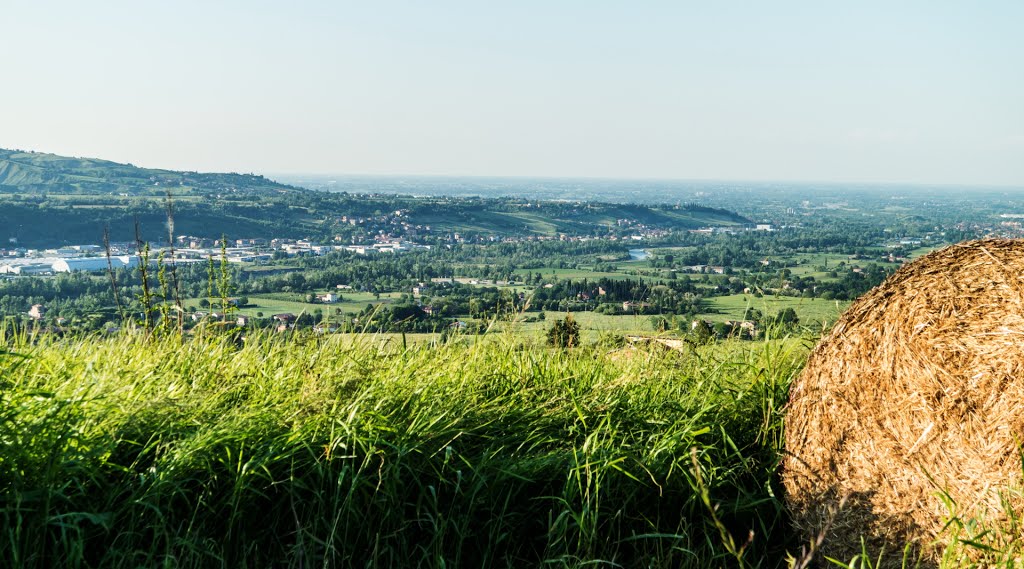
94	263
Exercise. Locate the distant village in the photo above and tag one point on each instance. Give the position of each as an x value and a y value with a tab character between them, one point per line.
16	260
19	261
187	249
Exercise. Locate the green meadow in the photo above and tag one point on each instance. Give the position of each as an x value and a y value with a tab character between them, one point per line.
384	450
811	311
297	451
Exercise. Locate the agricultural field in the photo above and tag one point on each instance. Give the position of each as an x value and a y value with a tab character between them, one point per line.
276	303
592	325
811	311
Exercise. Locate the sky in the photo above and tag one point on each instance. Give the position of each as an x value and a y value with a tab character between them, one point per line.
928	92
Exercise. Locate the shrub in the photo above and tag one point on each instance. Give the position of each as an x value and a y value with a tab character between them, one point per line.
564	333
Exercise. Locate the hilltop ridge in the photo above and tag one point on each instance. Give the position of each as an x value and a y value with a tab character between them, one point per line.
38	172
80	196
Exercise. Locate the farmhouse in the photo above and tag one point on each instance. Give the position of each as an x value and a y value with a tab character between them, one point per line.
742	324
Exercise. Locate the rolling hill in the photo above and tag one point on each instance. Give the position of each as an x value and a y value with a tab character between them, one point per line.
38	173
50	200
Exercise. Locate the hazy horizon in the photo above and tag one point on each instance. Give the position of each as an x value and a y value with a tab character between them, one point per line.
915	93
628	179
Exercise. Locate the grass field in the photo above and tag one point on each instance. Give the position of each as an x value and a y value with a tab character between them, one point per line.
278	303
300	450
808	264
306	451
351	302
811	311
592	325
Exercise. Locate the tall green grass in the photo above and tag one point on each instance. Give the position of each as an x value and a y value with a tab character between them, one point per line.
310	452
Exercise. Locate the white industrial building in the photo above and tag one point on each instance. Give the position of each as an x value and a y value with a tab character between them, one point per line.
94	263
26	268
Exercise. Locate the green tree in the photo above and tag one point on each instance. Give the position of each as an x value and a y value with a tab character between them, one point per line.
788	317
702	331
564	333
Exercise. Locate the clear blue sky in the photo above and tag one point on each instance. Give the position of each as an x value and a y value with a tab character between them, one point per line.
907	91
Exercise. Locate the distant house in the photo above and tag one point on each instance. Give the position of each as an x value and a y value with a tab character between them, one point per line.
284	318
628	306
701	323
37	312
744	324
328	298
243	321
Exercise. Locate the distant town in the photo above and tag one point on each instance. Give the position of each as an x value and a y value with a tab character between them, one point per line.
192	249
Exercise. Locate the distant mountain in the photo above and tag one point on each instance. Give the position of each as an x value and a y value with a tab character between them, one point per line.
40	173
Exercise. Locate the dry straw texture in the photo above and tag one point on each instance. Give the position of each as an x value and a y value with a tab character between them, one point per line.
916	393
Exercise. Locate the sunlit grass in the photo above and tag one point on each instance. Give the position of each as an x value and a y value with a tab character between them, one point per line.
218	451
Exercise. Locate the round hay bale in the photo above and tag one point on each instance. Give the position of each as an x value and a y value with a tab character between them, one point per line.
916	393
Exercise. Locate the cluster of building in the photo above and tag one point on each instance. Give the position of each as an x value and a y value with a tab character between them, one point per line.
392	222
385	245
187	249
262	250
20	261
732	229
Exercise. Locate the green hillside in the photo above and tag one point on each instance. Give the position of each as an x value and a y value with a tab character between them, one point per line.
36	172
49	200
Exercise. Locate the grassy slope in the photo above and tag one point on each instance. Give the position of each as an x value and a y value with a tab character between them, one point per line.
125	452
39	172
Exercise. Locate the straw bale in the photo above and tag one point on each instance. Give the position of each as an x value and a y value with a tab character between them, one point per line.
915	393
